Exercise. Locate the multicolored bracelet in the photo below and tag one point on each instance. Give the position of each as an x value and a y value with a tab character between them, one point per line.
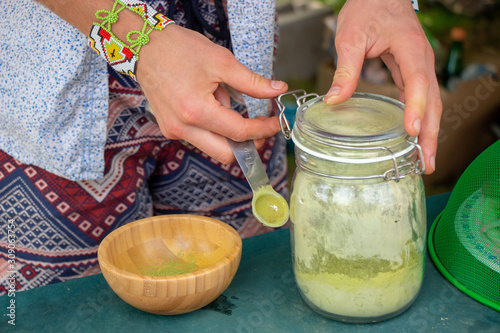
121	56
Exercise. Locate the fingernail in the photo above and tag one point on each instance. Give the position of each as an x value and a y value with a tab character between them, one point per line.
332	94
432	162
334	91
278	85
416	126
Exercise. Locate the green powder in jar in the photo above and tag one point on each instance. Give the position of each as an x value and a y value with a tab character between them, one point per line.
361	287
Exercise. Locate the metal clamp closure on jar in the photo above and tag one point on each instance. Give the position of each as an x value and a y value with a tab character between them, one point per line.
396	172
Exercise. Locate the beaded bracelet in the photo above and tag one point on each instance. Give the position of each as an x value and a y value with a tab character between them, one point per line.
121	56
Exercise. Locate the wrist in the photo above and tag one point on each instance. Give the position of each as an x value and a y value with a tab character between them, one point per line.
127	21
119	33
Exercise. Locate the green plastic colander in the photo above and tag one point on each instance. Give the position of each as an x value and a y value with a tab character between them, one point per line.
464	240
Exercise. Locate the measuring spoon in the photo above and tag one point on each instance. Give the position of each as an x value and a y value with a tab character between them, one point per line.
268	206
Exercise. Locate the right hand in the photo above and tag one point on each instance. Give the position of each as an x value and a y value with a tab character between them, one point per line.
391	30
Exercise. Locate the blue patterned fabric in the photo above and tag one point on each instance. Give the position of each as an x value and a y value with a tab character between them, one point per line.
59	223
253	27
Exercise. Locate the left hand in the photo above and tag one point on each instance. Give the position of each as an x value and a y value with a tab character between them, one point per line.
182	74
390	29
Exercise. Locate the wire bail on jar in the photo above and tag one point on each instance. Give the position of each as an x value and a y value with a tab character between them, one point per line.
396	173
299	99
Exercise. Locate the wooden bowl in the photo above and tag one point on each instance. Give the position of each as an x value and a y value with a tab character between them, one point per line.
209	247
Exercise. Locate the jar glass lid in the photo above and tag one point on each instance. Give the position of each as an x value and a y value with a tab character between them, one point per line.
366	128
361	119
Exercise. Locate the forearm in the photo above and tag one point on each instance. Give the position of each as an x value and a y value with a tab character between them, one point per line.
180	72
81	15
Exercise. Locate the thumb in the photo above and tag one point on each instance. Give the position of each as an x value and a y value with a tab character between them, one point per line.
349	63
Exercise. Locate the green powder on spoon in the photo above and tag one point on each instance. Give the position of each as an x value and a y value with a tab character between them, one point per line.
269	207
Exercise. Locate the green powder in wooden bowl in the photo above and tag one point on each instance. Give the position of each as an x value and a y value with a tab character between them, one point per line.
172	266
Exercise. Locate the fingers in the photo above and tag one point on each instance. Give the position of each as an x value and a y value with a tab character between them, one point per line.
211	116
428	138
222	96
391	64
416	63
413	71
398	38
208	129
212	144
188	101
242	79
423	106
350	57
229	123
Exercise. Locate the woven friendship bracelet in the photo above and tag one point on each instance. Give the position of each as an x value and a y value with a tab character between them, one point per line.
123	57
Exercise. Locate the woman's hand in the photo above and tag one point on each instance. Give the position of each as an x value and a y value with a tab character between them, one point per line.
390	29
180	72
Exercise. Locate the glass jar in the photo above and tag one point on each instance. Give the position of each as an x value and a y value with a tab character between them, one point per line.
357	207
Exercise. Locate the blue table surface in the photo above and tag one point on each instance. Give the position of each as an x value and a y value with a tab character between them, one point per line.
263	297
